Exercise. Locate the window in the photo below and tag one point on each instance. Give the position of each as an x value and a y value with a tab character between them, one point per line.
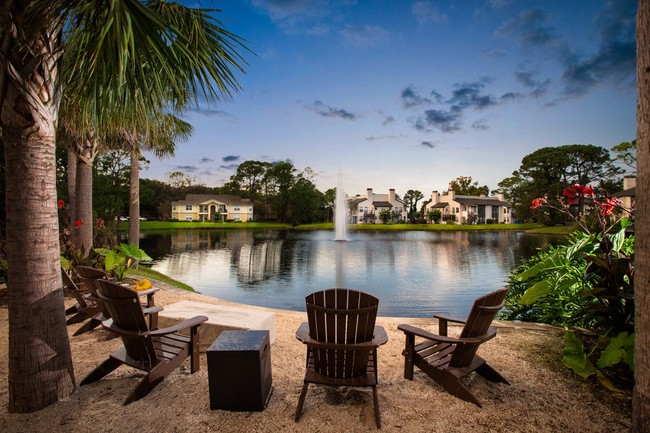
236	209
250	209
188	217
505	210
173	207
236	218
188	207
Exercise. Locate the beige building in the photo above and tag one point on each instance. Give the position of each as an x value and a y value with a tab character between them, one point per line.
628	195
467	209
212	207
367	210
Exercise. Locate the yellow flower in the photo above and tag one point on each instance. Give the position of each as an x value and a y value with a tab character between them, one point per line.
142	285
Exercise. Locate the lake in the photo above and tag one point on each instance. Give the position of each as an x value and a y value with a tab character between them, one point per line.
413	273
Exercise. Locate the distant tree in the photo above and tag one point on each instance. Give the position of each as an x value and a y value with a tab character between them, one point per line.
111	184
304	200
411	199
283	177
386	215
625	153
464	185
249	177
329	197
435	215
550	170
179	179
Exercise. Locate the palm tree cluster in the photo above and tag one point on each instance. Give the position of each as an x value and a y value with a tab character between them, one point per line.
91	75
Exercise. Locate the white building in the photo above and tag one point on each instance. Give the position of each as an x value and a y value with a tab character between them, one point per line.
467	209
367	210
212	207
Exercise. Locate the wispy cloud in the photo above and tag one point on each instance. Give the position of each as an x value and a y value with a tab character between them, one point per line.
365	37
297	16
326	111
529	27
206	160
230	158
426	12
428	144
187	168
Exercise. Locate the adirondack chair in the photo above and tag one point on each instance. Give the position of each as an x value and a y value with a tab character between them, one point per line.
342	341
447	360
89	277
84	309
158	352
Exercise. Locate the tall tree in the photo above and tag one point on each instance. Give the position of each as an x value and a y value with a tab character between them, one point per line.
641	399
101	66
249	177
465	185
411	199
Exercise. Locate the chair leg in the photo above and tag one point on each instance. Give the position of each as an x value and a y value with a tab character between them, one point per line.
376	401
301	400
71	310
145	386
457	389
101	370
195	364
491	374
408	356
78	317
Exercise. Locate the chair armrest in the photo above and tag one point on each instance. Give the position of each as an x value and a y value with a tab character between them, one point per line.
185	324
446	318
490	334
380	337
152	310
412	330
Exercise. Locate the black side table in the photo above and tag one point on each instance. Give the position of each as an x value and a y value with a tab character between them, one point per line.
239	371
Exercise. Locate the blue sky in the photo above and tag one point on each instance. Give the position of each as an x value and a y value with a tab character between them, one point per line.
412	94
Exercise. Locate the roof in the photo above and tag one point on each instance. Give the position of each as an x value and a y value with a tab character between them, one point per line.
440	205
221	198
627	193
377	204
474	201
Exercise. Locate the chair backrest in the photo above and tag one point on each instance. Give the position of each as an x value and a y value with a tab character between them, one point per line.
342	317
69	284
123	305
89	276
477	324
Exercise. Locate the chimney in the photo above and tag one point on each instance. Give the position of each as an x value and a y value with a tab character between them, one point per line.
391	196
369	195
501	197
451	194
629	182
434	197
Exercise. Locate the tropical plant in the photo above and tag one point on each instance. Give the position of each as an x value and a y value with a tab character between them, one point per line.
588	283
119	260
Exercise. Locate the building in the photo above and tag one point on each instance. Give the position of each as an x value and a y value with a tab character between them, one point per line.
468	209
367	210
628	195
212	207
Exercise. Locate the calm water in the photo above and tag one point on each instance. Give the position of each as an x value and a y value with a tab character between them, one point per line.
414	274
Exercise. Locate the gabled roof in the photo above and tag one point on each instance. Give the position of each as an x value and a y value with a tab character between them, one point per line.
474	201
440	205
377	204
194	199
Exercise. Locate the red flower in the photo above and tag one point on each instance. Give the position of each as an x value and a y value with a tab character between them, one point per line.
572	193
78	223
607	208
538	202
60	203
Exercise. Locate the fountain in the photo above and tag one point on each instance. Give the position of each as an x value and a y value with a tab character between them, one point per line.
340	212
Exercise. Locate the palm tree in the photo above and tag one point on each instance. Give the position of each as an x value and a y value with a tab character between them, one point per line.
641	400
103	37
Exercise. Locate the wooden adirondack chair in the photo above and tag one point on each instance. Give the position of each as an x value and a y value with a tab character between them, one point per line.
158	352
445	359
342	342
89	276
84	309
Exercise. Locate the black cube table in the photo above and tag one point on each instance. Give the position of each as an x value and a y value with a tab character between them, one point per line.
239	370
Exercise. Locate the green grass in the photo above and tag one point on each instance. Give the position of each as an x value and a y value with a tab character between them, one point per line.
444	227
175	225
554	230
146	272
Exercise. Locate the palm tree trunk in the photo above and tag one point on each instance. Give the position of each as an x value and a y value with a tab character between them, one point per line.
134	199
641	400
83	224
72	184
40	362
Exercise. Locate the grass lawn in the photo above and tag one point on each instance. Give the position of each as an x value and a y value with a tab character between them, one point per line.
169	225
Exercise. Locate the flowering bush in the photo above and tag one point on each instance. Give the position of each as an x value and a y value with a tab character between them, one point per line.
587	283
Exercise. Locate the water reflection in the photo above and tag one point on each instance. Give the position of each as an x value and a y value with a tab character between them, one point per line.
414	274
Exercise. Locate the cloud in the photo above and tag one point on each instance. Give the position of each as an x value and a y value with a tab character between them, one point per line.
388	119
207	112
427	144
529	29
615	58
205	160
365	37
447	114
426	12
230	158
527	79
186	168
229	166
327	111
480	125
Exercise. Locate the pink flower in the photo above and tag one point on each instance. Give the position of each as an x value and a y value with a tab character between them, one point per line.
78	223
60	203
538	202
607	208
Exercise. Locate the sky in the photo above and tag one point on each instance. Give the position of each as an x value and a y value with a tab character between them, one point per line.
412	94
